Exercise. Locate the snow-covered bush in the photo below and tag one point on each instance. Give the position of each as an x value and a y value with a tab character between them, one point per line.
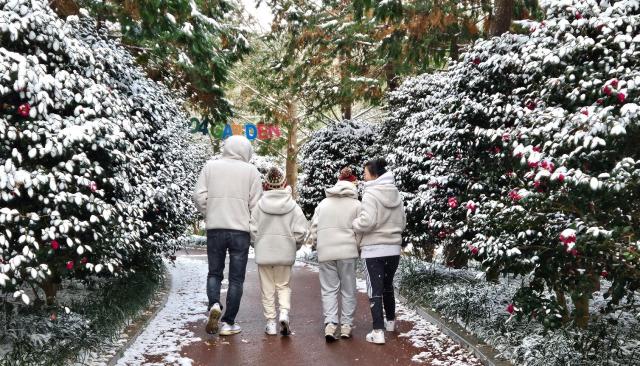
348	143
523	156
96	161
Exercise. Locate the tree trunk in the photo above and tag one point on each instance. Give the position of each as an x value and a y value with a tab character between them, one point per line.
347	99
292	149
582	310
392	77
50	288
454	50
501	17
562	300
345	109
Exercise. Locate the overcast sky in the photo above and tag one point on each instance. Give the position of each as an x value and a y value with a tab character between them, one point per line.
262	14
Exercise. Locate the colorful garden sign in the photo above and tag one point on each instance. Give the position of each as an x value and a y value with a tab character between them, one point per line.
260	131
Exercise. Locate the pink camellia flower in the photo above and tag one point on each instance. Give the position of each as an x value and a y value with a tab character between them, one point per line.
506	137
453	202
514	195
578	15
471	206
70	265
510	308
55	245
621	97
93	186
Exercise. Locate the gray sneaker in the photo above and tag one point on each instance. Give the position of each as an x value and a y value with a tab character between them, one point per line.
228	329
330	332
214	317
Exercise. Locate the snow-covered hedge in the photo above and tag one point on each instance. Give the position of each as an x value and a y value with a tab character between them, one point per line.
96	164
348	143
524	156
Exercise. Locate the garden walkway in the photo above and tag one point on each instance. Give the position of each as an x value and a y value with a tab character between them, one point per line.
176	335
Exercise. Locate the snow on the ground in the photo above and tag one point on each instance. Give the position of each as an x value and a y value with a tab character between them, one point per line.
439	349
167	333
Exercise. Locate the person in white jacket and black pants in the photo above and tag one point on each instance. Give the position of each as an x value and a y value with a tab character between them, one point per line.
337	243
381	223
278	230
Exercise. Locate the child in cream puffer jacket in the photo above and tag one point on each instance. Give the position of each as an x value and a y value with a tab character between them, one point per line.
278	229
333	235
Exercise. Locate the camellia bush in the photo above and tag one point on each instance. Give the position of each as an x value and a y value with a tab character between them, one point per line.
523	156
96	162
348	143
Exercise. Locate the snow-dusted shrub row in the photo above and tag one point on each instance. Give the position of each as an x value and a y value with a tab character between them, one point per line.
462	296
524	156
348	143
96	164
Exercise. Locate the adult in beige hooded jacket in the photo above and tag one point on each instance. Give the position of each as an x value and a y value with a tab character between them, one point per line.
227	190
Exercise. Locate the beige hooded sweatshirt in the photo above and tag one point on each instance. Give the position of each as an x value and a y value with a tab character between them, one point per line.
278	228
331	227
229	188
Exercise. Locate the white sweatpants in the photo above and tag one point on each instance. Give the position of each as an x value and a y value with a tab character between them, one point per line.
338	276
275	279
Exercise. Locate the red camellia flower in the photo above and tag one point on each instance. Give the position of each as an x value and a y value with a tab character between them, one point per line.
24	109
429	155
533	164
70	265
585	111
578	15
547	165
514	195
474	249
606	90
84	260
55	245
600	101
531	105
442	234
568	237
560	178
53	317
476	61
604	274
574	252
537	148
614	83
506	137
453	202
510	308
621	97
497	150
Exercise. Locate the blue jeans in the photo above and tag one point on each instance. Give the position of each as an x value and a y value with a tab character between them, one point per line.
219	241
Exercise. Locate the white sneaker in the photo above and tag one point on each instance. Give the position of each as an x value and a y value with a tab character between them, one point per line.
390	325
270	329
345	331
285	330
330	332
228	329
214	317
376	336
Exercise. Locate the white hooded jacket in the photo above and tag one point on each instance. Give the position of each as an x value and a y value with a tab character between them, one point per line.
229	188
382	219
331	227
278	228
